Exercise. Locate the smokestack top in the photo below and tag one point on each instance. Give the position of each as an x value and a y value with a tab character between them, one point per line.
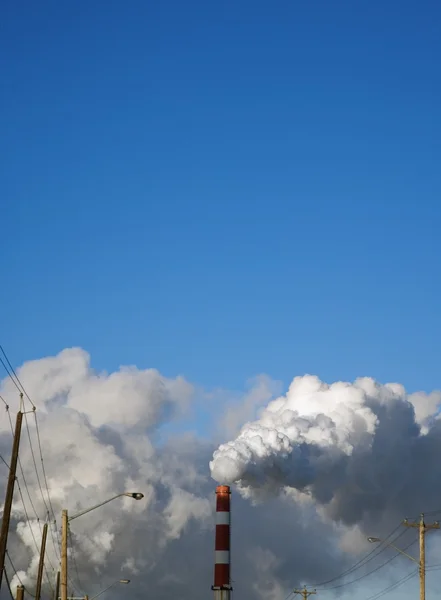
223	489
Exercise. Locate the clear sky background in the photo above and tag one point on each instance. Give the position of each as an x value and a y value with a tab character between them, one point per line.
221	189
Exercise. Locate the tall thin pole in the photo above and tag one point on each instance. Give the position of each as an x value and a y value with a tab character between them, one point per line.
64	526
57	586
20	592
10	491
422	536
41	563
423	528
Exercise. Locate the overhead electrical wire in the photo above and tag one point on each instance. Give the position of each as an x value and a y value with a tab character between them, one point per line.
3	460
22	389
8	584
334	587
392	586
364	560
15	375
31	447
48	505
19	385
7	371
74	560
28	521
18	576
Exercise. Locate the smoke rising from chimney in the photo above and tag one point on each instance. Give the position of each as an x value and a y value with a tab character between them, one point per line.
354	447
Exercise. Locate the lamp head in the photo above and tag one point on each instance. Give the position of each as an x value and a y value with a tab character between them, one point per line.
373	540
124	580
135	495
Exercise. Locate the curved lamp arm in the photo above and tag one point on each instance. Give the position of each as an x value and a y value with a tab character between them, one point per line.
110	586
135	495
374	540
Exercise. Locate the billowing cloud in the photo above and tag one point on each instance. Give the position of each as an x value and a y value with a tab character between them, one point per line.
327	462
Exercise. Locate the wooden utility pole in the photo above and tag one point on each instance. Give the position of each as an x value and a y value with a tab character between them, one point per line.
64	526
10	491
20	592
423	528
57	586
41	563
305	593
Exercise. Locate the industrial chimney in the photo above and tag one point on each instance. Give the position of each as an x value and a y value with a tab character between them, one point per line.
222	586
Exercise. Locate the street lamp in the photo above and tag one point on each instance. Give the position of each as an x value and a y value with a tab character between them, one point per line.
64	528
420	563
111	585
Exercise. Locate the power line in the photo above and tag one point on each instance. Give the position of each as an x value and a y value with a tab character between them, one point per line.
17	383
334	587
18	576
8	584
23	477
39	485
15	375
10	376
34	461
3	460
57	548
42	465
49	507
22	389
364	560
28	521
393	586
70	537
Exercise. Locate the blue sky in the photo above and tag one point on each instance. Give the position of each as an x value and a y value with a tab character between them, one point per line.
224	189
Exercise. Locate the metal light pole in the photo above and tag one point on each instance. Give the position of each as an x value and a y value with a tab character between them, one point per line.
65	519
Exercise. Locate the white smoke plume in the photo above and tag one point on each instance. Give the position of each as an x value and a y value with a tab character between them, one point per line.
355	448
342	458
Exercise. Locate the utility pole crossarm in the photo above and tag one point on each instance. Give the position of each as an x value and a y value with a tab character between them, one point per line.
304	593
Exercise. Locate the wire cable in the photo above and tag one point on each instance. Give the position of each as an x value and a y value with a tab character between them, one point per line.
334	587
8	372
8	583
23	477
16	381
365	559
3	460
48	505
18	576
31	447
74	560
392	586
28	521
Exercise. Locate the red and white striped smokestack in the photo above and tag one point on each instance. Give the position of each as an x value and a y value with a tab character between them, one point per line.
222	543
